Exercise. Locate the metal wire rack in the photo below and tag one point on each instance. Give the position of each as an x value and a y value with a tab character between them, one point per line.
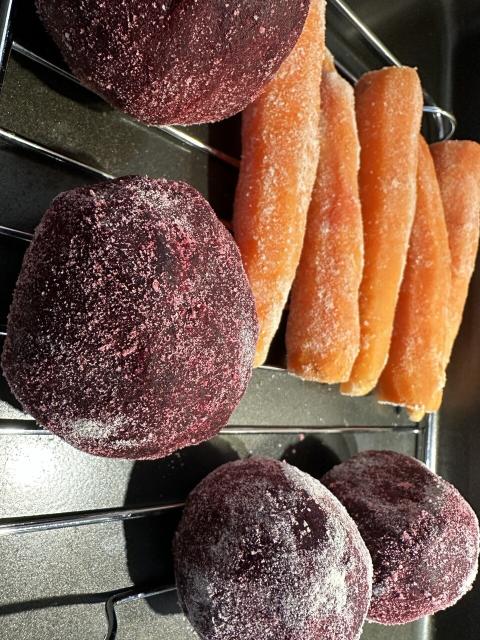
426	432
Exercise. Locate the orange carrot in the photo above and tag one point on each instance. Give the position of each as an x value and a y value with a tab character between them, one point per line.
277	173
389	110
457	163
414	371
328	62
323	330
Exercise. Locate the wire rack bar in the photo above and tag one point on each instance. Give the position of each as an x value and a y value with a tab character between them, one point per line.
366	32
31	55
183	136
431	435
30	145
122	597
17	235
446	123
32	428
50	522
34	524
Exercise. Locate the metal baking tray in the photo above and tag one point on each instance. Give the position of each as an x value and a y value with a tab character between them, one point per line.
57	575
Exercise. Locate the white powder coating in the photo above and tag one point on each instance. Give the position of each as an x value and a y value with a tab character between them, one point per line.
95	429
135	336
457	164
175	62
265	551
414	373
389	109
280	149
323	331
422	535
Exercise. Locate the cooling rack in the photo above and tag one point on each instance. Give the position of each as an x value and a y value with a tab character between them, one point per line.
439	125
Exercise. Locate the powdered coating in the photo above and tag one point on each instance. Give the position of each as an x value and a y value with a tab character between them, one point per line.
415	371
132	328
265	551
280	149
175	62
388	105
422	535
457	165
323	330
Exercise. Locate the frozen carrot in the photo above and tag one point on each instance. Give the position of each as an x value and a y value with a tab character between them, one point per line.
389	110
457	163
279	160
414	372
323	330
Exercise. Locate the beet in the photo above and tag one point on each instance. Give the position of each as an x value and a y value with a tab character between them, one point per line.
422	535
132	328
175	61
264	551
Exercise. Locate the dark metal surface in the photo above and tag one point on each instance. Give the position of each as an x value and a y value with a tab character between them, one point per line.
54	583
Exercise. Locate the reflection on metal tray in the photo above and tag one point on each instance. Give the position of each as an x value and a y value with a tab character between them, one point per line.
54	135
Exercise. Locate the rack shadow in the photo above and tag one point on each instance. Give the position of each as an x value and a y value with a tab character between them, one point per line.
312	456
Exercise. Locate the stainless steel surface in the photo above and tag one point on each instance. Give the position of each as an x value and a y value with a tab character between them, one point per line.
55	583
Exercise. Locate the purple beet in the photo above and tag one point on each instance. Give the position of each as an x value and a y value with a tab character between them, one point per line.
422	535
132	328
181	62
265	552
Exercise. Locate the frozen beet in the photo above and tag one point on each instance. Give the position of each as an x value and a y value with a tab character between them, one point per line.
422	535
132	328
179	62
264	551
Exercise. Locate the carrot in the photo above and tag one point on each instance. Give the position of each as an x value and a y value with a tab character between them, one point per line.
323	330
328	63
457	163
414	371
279	161
389	110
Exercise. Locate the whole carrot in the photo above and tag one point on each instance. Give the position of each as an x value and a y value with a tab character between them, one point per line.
389	109
414	371
279	160
323	330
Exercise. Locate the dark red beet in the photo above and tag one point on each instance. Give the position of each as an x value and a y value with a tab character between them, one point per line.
265	552
422	535
175	61
132	328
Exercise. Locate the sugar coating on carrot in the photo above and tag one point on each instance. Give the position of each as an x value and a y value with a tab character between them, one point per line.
457	163
414	371
323	330
280	139
389	110
416	414
328	61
